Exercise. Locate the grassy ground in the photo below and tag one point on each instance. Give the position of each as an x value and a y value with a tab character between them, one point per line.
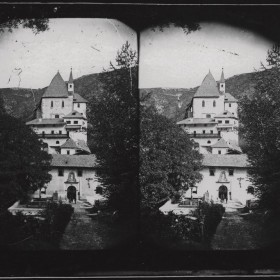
101	232
238	233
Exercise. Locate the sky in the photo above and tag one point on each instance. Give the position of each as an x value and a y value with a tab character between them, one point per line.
86	45
173	59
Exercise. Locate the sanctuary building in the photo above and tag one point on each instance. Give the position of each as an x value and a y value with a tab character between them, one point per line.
212	122
61	123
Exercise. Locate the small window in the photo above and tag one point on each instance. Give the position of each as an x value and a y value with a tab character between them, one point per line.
62	104
60	172
208	116
219	152
208	142
51	104
80	173
56	116
78	105
203	131
214	103
57	142
220	121
68	122
74	114
226	121
203	103
60	131
52	132
230	172
68	152
222	85
211	171
75	122
211	131
229	105
43	132
70	85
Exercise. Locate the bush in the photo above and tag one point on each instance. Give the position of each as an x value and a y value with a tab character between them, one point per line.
210	215
27	232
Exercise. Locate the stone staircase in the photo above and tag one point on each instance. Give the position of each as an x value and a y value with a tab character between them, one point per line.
233	206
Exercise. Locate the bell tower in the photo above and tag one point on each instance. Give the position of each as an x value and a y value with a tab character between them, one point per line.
222	83
71	83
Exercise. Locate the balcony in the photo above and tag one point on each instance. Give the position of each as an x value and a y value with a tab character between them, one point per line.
50	135
204	135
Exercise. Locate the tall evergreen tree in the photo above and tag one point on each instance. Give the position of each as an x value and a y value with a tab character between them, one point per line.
113	132
169	164
260	119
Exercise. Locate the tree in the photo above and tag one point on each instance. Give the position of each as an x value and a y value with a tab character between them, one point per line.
113	132
24	165
36	25
260	118
169	164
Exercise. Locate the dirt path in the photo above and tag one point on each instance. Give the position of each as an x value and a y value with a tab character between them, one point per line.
236	233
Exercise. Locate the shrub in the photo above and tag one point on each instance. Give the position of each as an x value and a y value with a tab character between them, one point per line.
210	215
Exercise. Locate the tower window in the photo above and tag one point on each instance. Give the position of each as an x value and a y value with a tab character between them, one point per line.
70	86
62	104
203	103
222	85
214	103
51	104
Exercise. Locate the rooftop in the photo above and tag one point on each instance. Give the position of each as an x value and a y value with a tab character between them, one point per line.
74	115
225	160
208	87
229	98
46	121
69	144
220	144
197	121
79	99
225	114
57	87
87	161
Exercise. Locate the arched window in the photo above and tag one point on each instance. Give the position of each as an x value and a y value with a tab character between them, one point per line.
51	104
214	103
203	103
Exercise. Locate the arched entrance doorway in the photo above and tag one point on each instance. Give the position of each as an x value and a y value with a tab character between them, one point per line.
223	193
71	194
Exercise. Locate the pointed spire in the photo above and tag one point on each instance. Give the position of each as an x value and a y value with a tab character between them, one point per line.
222	80
71	77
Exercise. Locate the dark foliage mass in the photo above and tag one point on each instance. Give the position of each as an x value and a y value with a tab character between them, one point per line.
169	164
24	165
22	232
181	232
260	117
113	133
